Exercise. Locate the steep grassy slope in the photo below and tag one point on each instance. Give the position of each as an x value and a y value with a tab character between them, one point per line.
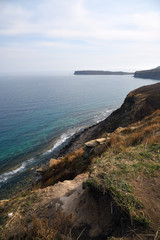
129	173
120	199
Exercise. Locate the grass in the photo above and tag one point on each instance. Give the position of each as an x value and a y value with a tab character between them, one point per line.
131	153
25	224
112	174
69	167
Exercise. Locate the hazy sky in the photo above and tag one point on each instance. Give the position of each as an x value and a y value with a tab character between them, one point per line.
55	35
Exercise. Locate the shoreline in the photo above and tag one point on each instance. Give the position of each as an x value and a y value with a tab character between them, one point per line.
134	108
25	179
100	177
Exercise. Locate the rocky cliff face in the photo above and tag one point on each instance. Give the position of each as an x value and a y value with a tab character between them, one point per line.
138	104
151	74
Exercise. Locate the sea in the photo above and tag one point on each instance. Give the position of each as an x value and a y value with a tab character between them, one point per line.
39	114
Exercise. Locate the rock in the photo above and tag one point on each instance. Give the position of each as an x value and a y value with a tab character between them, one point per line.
33	168
54	162
134	128
95	147
95	142
125	129
92	143
101	140
119	130
42	169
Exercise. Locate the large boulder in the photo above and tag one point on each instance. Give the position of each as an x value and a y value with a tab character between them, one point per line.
91	144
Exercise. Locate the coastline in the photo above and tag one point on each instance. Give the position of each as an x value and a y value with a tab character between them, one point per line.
56	148
115	176
134	108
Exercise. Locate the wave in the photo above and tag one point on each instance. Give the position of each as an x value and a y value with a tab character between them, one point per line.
63	139
100	116
6	176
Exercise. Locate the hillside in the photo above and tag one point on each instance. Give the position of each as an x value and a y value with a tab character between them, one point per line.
108	188
138	104
151	74
95	72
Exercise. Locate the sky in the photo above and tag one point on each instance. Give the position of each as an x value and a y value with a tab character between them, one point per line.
69	35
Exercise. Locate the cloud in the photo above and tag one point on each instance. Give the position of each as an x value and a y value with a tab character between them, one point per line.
49	33
71	20
13	19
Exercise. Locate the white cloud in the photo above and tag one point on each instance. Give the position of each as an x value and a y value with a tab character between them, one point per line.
82	36
70	20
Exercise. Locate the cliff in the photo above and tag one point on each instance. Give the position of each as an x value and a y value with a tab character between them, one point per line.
107	189
94	72
138	104
150	74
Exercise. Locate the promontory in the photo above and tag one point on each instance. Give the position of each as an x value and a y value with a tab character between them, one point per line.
95	72
151	74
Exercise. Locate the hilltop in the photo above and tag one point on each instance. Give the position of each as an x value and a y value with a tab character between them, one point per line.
105	185
151	74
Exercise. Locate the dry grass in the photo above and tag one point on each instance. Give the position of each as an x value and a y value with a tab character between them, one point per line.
25	224
57	228
134	153
147	131
70	166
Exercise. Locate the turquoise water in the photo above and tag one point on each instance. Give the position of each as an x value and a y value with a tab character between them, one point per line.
38	114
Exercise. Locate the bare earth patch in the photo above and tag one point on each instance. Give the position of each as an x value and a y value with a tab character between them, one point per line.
147	190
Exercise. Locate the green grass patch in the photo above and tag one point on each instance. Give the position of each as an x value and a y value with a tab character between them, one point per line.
113	172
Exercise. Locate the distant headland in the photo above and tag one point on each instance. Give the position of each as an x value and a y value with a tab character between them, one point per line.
94	72
151	74
147	74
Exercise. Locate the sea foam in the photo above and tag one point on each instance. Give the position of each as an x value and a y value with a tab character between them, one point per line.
63	139
6	176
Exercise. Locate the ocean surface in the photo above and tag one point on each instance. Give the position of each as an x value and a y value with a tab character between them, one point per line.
39	114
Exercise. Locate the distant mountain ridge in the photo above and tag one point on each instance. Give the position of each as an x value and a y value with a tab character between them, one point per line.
97	72
151	74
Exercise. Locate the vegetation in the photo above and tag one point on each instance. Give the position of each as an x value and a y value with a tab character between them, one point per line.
127	173
133	158
19	221
68	168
